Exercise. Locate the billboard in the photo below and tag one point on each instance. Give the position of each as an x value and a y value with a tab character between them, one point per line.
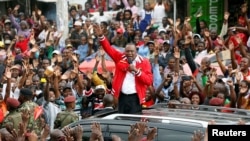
212	12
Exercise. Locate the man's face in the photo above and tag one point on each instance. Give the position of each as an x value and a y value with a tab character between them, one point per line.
14	73
100	93
67	92
45	64
164	21
200	47
130	52
146	40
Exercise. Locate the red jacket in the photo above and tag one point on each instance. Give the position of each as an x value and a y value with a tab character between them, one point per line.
143	78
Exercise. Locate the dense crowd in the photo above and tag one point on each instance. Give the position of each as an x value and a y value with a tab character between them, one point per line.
43	89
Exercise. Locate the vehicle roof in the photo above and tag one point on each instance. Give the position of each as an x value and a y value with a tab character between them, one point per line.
200	116
204	113
109	127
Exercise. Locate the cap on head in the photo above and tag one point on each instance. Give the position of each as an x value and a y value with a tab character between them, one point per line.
166	42
69	99
26	92
7	42
98	87
69	46
56	52
197	35
216	101
12	102
78	23
7	21
119	30
150	42
18	67
67	86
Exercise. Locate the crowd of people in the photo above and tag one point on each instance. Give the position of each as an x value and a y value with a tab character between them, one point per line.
43	89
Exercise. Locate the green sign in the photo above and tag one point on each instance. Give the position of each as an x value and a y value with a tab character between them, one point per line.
212	12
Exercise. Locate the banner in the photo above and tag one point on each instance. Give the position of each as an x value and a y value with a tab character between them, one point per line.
212	12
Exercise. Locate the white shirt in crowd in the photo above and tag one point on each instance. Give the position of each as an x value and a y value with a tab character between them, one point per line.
128	86
159	13
13	94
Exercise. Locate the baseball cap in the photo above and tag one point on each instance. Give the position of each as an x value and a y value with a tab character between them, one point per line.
67	86
56	52
7	42
166	42
16	67
119	30
98	87
7	21
69	99
197	35
69	45
26	92
78	23
150	42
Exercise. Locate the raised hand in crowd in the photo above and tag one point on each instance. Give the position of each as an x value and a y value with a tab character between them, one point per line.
78	133
45	133
68	132
198	136
244	8
98	30
226	15
96	133
177	53
32	136
134	135
171	22
151	134
116	138
21	134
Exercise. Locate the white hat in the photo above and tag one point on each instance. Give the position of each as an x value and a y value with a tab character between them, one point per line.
7	42
100	87
78	23
166	42
7	21
56	52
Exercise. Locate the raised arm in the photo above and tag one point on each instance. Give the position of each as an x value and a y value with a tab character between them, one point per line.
112	52
188	55
224	25
222	66
177	59
232	53
8	87
57	74
232	94
156	71
12	18
104	67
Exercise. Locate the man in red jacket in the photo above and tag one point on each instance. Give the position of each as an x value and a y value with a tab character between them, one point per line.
132	75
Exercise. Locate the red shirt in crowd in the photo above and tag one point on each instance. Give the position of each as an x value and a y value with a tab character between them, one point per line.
23	45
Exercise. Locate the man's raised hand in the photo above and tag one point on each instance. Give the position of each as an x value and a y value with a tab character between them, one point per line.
98	30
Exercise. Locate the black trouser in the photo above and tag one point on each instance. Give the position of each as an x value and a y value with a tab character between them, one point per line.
129	104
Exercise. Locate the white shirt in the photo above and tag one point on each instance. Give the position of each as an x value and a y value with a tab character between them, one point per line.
159	13
14	94
128	85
